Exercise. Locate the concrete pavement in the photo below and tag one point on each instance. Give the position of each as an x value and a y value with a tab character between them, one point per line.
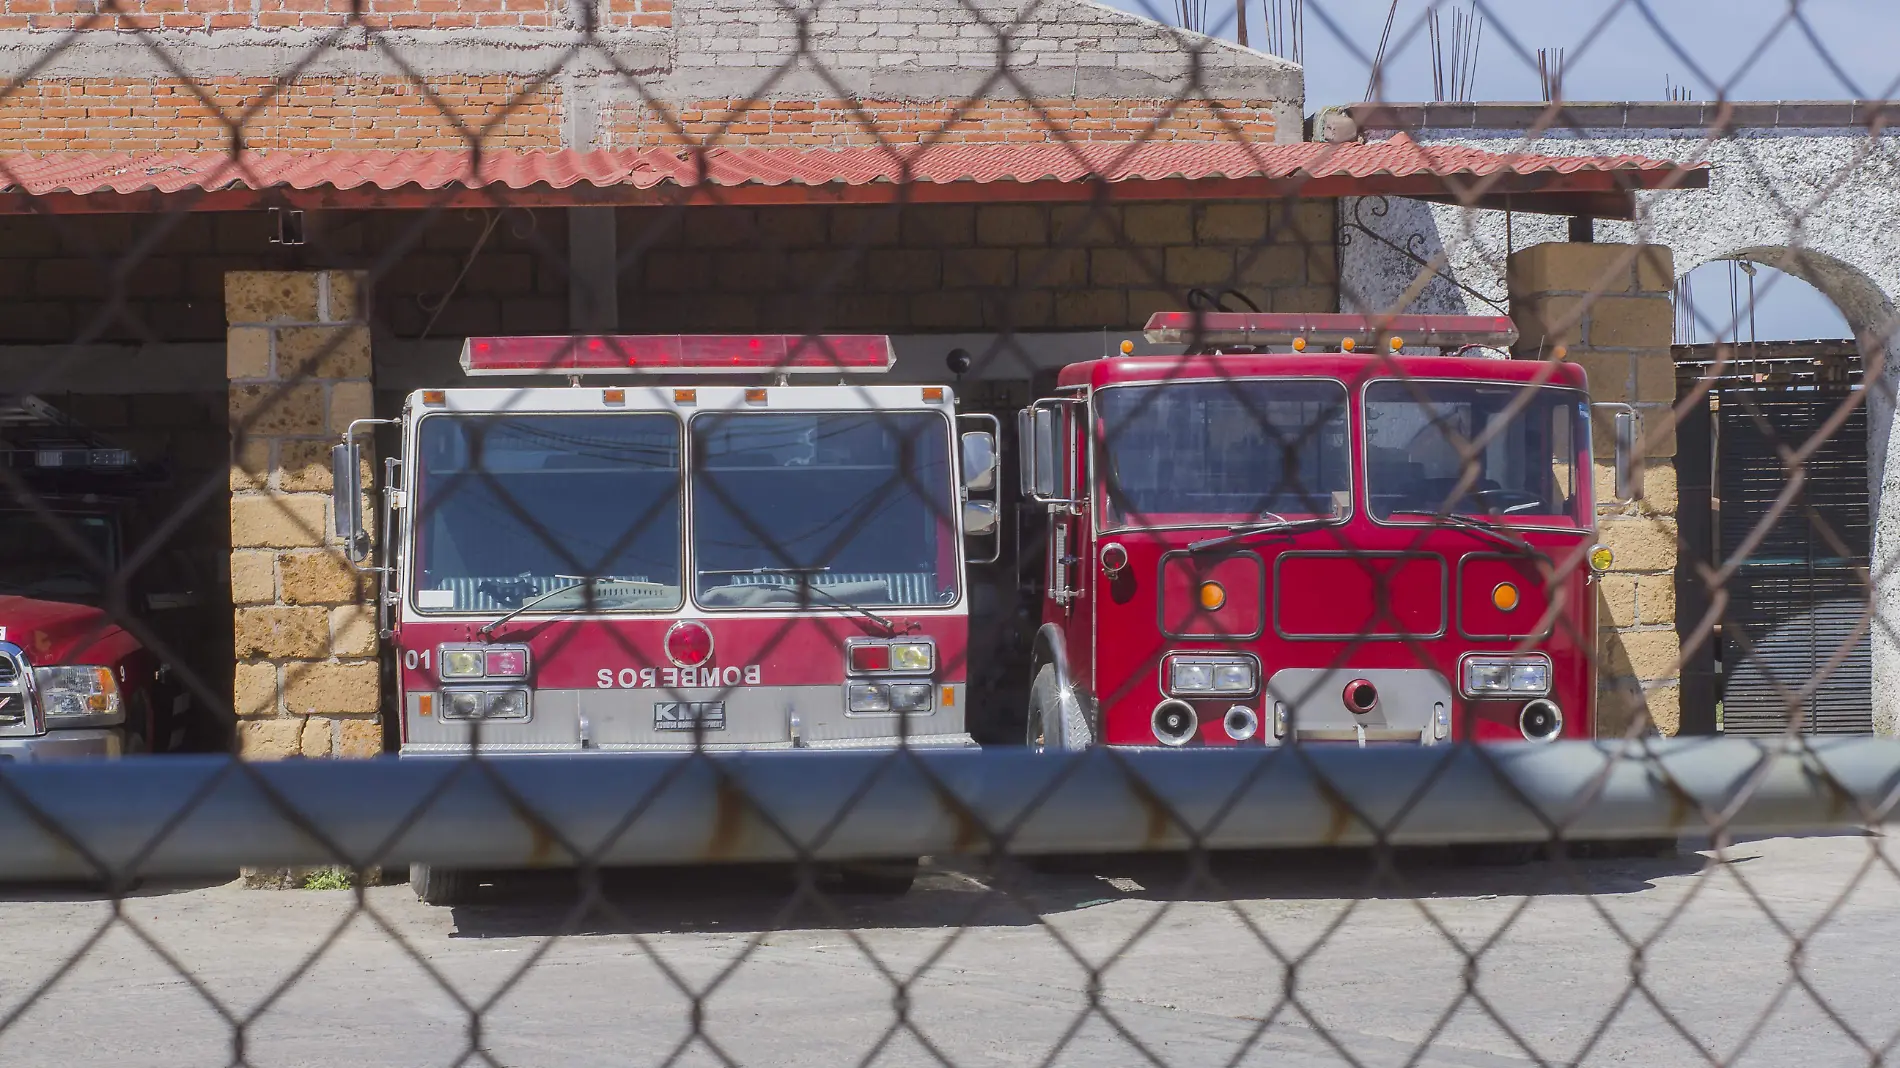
194	975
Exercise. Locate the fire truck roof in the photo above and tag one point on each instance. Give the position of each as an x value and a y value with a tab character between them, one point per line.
679	354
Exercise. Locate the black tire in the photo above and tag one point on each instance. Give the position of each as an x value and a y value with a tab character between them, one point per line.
442	886
1045	705
879	878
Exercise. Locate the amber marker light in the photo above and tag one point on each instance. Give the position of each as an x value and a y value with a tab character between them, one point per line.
933	394
1212	596
1348	345
1128	348
1299	344
1504	597
1398	343
434	396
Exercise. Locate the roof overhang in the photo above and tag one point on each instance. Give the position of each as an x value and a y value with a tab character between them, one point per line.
151	183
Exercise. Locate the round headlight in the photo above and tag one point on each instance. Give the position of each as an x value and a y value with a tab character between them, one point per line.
1601	558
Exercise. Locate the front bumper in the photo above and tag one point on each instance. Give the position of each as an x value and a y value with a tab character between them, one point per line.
920	741
103	743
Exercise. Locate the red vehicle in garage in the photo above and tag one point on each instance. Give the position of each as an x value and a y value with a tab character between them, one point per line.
73	682
1331	542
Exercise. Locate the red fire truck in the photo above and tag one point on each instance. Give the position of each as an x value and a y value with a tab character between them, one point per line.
711	558
1294	532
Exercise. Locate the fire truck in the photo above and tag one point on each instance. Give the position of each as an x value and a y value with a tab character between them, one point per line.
694	553
1300	530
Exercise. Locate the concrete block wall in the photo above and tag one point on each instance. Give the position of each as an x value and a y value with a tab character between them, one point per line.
1608	307
298	355
951	268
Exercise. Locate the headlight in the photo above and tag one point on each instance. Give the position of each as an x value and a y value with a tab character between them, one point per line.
887	696
486	705
1212	675
507	704
876	657
79	696
459	662
1506	676
910	656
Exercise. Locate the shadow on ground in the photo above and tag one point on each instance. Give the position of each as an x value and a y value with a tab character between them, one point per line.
957	892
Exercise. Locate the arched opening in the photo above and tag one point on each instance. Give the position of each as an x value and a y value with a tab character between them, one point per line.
1782	396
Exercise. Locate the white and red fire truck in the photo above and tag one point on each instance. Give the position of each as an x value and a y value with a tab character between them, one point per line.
691	554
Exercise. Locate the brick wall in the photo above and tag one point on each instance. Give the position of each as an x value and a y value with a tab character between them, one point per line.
146	115
307	680
208	15
1609	306
508	72
838	123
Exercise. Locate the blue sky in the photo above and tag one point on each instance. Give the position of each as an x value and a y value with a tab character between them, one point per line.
1619	50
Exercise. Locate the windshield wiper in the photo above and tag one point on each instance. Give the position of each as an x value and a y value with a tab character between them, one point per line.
1487	527
489	627
1264	526
834	599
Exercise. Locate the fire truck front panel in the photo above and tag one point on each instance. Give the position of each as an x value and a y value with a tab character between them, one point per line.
780	681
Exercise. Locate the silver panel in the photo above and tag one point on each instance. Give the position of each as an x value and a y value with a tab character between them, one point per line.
757	717
1316	708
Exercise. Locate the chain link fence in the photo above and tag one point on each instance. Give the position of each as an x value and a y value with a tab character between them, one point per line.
963	533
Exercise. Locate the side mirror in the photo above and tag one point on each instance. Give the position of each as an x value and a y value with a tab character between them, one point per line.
346	499
1044	474
979	461
979	518
1627	428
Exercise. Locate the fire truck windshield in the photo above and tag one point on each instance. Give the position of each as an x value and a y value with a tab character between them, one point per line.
1525	442
510	508
1213	453
849	509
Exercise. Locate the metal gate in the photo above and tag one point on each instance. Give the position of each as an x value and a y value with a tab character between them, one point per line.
1794	639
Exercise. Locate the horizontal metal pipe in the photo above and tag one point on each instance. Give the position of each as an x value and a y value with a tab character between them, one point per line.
201	816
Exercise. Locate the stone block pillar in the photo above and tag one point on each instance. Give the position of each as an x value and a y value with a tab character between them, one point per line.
298	359
1607	308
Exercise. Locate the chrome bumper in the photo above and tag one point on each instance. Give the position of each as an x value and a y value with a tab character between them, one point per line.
62	745
921	741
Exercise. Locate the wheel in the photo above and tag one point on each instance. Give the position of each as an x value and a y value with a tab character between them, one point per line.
881	878
1047	709
442	886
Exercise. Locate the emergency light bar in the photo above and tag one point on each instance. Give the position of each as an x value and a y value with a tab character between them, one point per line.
1328	331
752	354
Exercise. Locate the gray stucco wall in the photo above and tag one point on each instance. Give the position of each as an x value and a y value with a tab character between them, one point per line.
1821	203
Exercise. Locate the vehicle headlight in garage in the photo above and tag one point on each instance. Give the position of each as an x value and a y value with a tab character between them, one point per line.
1188	676
1506	676
887	696
484	704
79	696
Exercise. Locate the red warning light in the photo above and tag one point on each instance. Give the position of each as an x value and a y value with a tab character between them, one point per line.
680	354
689	643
